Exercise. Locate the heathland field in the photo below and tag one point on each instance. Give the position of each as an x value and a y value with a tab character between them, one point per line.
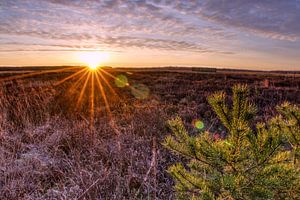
68	133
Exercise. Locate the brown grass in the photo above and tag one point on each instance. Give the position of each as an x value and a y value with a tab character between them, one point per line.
47	150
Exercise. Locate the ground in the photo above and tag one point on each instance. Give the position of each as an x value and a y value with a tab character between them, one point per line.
52	147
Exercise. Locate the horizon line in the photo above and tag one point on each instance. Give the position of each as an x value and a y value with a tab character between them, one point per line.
165	66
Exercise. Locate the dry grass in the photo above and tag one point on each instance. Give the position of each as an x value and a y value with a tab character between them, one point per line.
47	150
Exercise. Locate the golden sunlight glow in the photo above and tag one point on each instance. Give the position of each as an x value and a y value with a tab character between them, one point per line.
93	66
94	59
89	86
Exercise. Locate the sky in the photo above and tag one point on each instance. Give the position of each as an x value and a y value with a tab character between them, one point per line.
244	34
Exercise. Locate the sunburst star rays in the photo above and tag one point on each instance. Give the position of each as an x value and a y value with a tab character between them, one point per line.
91	85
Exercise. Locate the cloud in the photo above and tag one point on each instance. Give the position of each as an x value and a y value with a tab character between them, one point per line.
206	26
145	25
121	42
275	19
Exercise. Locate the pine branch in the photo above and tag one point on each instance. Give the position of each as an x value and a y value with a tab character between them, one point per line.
264	161
249	164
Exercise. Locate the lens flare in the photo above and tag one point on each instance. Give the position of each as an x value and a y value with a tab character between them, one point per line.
198	124
121	81
140	91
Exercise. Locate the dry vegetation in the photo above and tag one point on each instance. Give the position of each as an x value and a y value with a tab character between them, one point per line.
47	150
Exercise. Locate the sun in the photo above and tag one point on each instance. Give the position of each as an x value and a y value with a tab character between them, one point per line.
94	59
93	66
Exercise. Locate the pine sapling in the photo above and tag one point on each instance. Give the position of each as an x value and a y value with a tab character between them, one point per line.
249	163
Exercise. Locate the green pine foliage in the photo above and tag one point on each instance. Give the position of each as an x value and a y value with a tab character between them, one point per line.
250	163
